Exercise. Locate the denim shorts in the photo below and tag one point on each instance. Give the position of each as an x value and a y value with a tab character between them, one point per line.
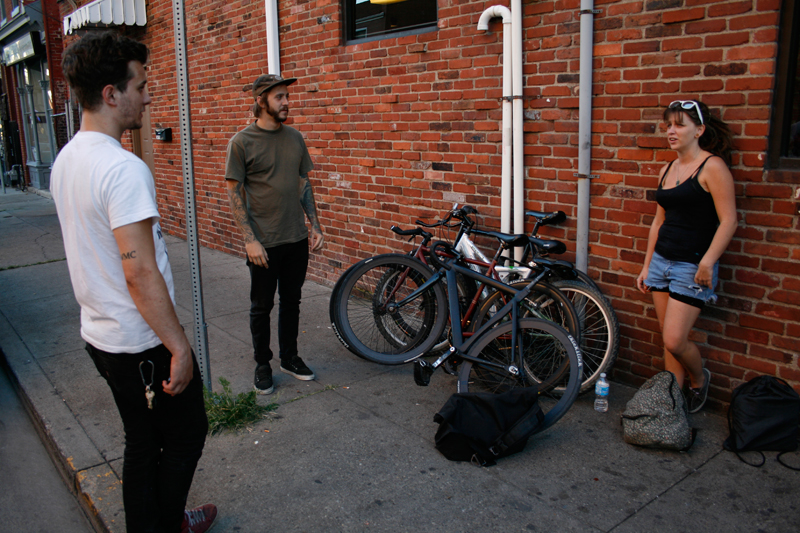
677	278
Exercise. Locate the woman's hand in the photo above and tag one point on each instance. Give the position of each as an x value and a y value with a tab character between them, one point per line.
704	275
640	280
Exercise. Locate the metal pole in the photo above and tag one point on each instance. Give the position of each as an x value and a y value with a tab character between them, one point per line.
584	135
200	327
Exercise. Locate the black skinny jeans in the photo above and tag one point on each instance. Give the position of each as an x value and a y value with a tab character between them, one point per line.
286	273
162	445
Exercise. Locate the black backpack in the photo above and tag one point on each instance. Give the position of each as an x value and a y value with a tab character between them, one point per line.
764	415
481	427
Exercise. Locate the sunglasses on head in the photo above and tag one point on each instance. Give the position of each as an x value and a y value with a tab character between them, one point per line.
688	104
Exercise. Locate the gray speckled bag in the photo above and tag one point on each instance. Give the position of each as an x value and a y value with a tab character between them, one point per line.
656	416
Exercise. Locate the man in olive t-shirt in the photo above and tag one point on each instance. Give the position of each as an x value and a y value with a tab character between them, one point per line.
266	172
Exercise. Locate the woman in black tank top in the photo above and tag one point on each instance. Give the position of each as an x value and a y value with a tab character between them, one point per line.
694	222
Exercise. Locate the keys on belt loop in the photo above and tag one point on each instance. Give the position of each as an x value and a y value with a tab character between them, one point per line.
148	392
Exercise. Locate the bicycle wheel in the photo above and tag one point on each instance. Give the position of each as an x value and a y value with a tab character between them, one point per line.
332	308
548	353
544	301
370	324
599	340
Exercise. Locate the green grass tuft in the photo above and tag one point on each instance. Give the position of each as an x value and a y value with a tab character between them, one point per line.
227	412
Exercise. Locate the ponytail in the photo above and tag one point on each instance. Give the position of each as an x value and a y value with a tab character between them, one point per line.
717	138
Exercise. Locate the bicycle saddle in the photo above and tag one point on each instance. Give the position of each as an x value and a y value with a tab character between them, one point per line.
546	246
506	238
555	217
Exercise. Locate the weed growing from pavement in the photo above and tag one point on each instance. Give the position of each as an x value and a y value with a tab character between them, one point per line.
327	387
227	412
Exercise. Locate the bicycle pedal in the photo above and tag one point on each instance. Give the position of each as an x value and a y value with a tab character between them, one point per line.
422	373
451	366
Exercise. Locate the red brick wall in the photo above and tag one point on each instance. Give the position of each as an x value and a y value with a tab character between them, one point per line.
401	128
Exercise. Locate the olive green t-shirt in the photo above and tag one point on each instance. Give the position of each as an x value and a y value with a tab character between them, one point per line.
271	165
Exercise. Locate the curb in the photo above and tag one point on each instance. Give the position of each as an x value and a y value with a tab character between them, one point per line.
87	475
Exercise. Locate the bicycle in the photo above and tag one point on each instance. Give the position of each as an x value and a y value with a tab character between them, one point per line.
360	296
520	352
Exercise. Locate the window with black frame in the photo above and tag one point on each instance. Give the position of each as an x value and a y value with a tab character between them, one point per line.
367	20
784	140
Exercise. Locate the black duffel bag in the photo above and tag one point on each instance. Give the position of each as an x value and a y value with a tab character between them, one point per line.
481	427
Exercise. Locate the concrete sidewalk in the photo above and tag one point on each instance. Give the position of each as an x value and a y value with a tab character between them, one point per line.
353	450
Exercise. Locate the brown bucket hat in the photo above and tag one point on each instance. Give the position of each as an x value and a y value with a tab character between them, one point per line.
265	82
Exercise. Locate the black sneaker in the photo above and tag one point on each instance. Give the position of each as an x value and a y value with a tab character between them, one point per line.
263	381
297	368
697	397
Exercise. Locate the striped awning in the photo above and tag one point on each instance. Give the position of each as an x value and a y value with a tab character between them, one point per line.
106	12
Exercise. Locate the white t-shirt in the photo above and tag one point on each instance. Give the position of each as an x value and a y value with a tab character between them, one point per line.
99	186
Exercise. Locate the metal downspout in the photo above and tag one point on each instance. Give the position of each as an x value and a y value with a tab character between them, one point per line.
584	135
505	173
518	141
273	44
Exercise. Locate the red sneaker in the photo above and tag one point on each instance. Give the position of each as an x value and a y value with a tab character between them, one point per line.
199	519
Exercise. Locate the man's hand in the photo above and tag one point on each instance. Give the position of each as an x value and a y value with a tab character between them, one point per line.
257	254
317	239
180	374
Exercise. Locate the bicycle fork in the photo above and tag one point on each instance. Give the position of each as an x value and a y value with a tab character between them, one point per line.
423	370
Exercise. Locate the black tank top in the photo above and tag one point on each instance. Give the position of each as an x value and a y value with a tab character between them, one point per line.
690	220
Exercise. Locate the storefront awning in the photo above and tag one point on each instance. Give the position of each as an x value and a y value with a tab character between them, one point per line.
106	13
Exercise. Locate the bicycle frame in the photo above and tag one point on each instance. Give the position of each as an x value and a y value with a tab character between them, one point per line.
459	345
476	259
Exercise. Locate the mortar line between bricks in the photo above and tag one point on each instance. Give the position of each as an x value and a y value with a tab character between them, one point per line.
662	493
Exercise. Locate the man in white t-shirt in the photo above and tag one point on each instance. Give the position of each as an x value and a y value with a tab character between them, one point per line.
120	272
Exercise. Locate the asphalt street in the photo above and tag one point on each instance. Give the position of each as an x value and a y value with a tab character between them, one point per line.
33	496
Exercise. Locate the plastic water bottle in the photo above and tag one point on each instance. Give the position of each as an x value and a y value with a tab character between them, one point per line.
601	392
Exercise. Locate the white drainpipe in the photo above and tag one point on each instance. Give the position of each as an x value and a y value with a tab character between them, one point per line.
519	144
273	46
505	183
584	135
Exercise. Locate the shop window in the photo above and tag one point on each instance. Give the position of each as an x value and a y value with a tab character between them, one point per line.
36	101
367	20
784	139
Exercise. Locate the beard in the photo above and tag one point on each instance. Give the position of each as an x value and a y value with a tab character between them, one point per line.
277	114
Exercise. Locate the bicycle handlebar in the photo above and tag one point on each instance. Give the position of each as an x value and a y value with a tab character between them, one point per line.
447	250
416	232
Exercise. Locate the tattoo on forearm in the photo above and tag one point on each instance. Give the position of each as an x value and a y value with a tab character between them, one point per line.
128	255
308	203
239	212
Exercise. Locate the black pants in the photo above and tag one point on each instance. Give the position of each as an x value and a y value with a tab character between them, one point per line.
286	273
162	445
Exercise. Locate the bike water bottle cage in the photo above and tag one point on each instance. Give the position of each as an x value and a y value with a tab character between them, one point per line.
547	246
